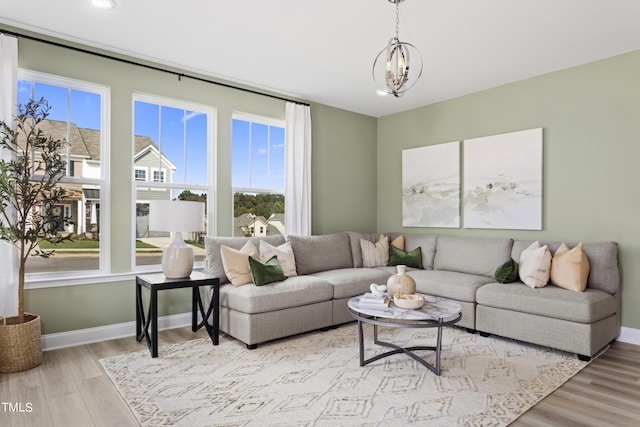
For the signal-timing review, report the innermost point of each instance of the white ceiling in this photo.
(323, 50)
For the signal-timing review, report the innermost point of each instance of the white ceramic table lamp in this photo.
(176, 216)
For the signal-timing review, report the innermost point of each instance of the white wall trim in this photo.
(629, 335)
(108, 332)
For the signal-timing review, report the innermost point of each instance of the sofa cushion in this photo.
(375, 254)
(507, 272)
(294, 292)
(570, 268)
(267, 272)
(603, 259)
(472, 256)
(354, 243)
(396, 242)
(410, 259)
(212, 248)
(551, 301)
(535, 265)
(284, 253)
(448, 284)
(427, 245)
(350, 282)
(236, 262)
(322, 252)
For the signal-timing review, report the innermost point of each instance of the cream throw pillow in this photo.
(375, 254)
(398, 242)
(285, 256)
(570, 268)
(236, 262)
(535, 265)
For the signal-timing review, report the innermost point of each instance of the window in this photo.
(258, 175)
(79, 115)
(140, 174)
(158, 175)
(173, 142)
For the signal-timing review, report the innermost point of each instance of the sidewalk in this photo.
(161, 242)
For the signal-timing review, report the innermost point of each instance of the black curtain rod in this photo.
(150, 67)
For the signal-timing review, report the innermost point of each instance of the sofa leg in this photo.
(471, 331)
(252, 346)
(329, 328)
(584, 358)
(484, 334)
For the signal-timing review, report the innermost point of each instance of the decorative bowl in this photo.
(409, 301)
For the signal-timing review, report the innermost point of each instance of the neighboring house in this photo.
(151, 166)
(276, 221)
(82, 203)
(249, 225)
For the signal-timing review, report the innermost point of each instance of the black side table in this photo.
(157, 282)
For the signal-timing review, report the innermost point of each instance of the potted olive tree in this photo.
(28, 191)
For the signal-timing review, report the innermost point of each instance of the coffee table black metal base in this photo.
(157, 282)
(409, 351)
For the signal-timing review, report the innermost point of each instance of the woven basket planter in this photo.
(20, 347)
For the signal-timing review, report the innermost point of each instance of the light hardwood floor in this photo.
(71, 389)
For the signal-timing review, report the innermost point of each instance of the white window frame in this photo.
(209, 187)
(162, 172)
(63, 278)
(141, 169)
(263, 120)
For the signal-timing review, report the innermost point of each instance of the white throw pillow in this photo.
(535, 265)
(236, 262)
(375, 254)
(285, 256)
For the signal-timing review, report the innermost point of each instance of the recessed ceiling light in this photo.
(104, 4)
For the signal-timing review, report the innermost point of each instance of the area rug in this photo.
(315, 379)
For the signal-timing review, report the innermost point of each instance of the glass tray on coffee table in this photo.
(435, 313)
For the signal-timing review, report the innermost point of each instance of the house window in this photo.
(258, 175)
(79, 114)
(140, 174)
(173, 140)
(158, 176)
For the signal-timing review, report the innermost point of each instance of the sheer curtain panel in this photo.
(8, 100)
(297, 195)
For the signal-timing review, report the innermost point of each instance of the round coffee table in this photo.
(436, 313)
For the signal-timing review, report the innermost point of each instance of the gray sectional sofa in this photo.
(330, 271)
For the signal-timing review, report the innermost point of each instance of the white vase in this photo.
(401, 283)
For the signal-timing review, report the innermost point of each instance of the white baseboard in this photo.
(630, 335)
(109, 332)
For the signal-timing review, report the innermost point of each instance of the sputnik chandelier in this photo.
(393, 72)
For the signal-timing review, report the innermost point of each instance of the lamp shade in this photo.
(176, 215)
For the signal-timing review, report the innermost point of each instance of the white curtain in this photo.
(297, 193)
(8, 100)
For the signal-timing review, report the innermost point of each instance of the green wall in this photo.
(591, 183)
(343, 158)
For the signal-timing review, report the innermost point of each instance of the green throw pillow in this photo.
(507, 272)
(270, 271)
(400, 257)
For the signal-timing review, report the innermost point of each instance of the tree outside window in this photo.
(78, 116)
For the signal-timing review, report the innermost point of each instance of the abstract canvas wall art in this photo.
(503, 181)
(431, 186)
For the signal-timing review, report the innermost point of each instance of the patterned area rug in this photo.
(315, 380)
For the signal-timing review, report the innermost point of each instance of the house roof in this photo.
(85, 143)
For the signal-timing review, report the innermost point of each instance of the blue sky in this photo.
(259, 164)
